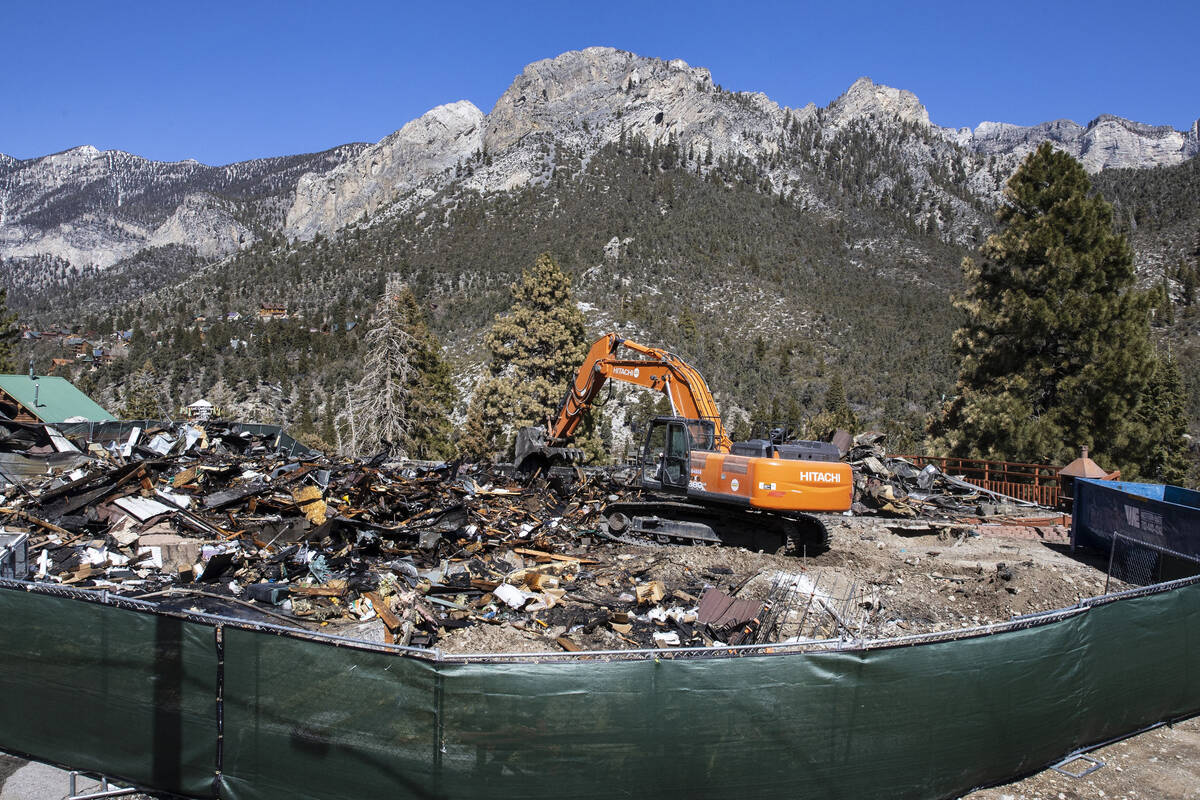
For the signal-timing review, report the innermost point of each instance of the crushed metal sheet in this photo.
(142, 508)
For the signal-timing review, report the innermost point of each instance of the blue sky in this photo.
(226, 81)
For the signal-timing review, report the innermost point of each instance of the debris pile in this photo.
(208, 517)
(200, 517)
(898, 487)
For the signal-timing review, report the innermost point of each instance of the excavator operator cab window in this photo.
(653, 452)
(678, 457)
(666, 458)
(703, 433)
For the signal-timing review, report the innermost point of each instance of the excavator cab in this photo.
(667, 453)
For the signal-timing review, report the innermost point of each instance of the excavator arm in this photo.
(657, 369)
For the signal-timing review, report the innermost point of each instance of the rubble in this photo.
(897, 487)
(205, 517)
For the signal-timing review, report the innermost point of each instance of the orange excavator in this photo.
(696, 483)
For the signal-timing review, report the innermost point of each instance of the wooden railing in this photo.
(1034, 483)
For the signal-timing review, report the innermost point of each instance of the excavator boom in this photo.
(658, 370)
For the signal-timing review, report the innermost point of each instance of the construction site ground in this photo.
(886, 577)
(463, 559)
(917, 576)
(1161, 764)
(935, 580)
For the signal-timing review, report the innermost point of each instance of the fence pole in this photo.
(1112, 551)
(439, 731)
(219, 641)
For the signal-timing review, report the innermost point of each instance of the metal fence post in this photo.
(1112, 551)
(219, 643)
(439, 731)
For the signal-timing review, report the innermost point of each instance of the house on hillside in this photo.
(201, 410)
(47, 398)
(269, 311)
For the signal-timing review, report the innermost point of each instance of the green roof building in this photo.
(46, 398)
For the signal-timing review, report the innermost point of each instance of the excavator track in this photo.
(666, 521)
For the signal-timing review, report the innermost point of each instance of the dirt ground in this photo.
(1162, 764)
(880, 578)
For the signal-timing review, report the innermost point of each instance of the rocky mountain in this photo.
(404, 161)
(1105, 142)
(576, 103)
(868, 100)
(776, 246)
(583, 100)
(571, 106)
(94, 209)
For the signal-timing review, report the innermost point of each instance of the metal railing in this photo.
(1033, 483)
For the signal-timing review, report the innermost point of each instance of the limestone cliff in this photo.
(1107, 141)
(94, 208)
(402, 162)
(867, 99)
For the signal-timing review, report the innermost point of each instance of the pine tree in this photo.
(835, 412)
(837, 407)
(143, 394)
(9, 335)
(1164, 309)
(434, 396)
(1163, 417)
(1055, 350)
(535, 351)
(405, 395)
(1187, 276)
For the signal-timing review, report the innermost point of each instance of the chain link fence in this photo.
(1133, 562)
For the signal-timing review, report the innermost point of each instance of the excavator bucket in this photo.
(531, 441)
(534, 451)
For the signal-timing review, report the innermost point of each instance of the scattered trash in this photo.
(215, 517)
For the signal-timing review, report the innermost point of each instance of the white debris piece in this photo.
(181, 500)
(142, 508)
(60, 442)
(514, 597)
(666, 639)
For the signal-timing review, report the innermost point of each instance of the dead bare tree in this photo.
(347, 417)
(383, 401)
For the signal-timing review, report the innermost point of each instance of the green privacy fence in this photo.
(101, 688)
(144, 697)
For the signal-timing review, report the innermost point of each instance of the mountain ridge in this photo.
(63, 205)
(777, 247)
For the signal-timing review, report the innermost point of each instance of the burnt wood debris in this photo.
(217, 518)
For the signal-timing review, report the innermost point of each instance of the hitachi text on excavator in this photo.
(696, 484)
